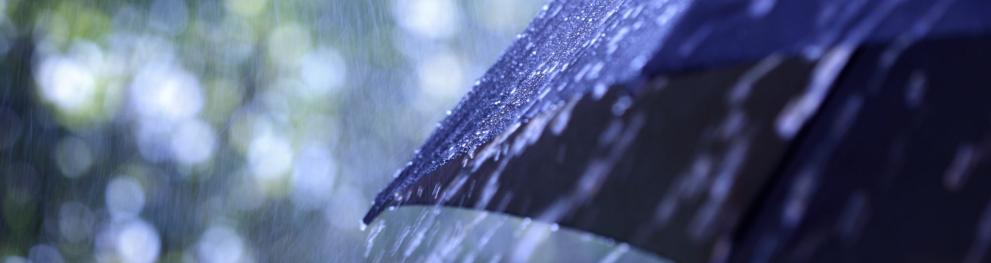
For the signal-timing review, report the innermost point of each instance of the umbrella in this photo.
(731, 130)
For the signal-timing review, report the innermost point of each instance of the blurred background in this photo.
(226, 130)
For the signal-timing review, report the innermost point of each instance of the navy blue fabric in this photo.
(718, 33)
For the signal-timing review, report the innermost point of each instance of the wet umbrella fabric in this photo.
(802, 130)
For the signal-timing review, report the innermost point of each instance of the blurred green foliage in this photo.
(234, 130)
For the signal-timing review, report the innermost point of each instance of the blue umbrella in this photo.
(732, 130)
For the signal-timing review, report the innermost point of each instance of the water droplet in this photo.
(622, 104)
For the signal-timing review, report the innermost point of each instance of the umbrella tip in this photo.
(372, 214)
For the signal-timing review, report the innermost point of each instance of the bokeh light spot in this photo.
(441, 75)
(124, 197)
(270, 157)
(313, 178)
(76, 222)
(220, 244)
(138, 242)
(436, 19)
(245, 7)
(66, 82)
(73, 156)
(193, 142)
(288, 43)
(166, 92)
(322, 71)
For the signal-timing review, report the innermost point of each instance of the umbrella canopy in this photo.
(747, 130)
